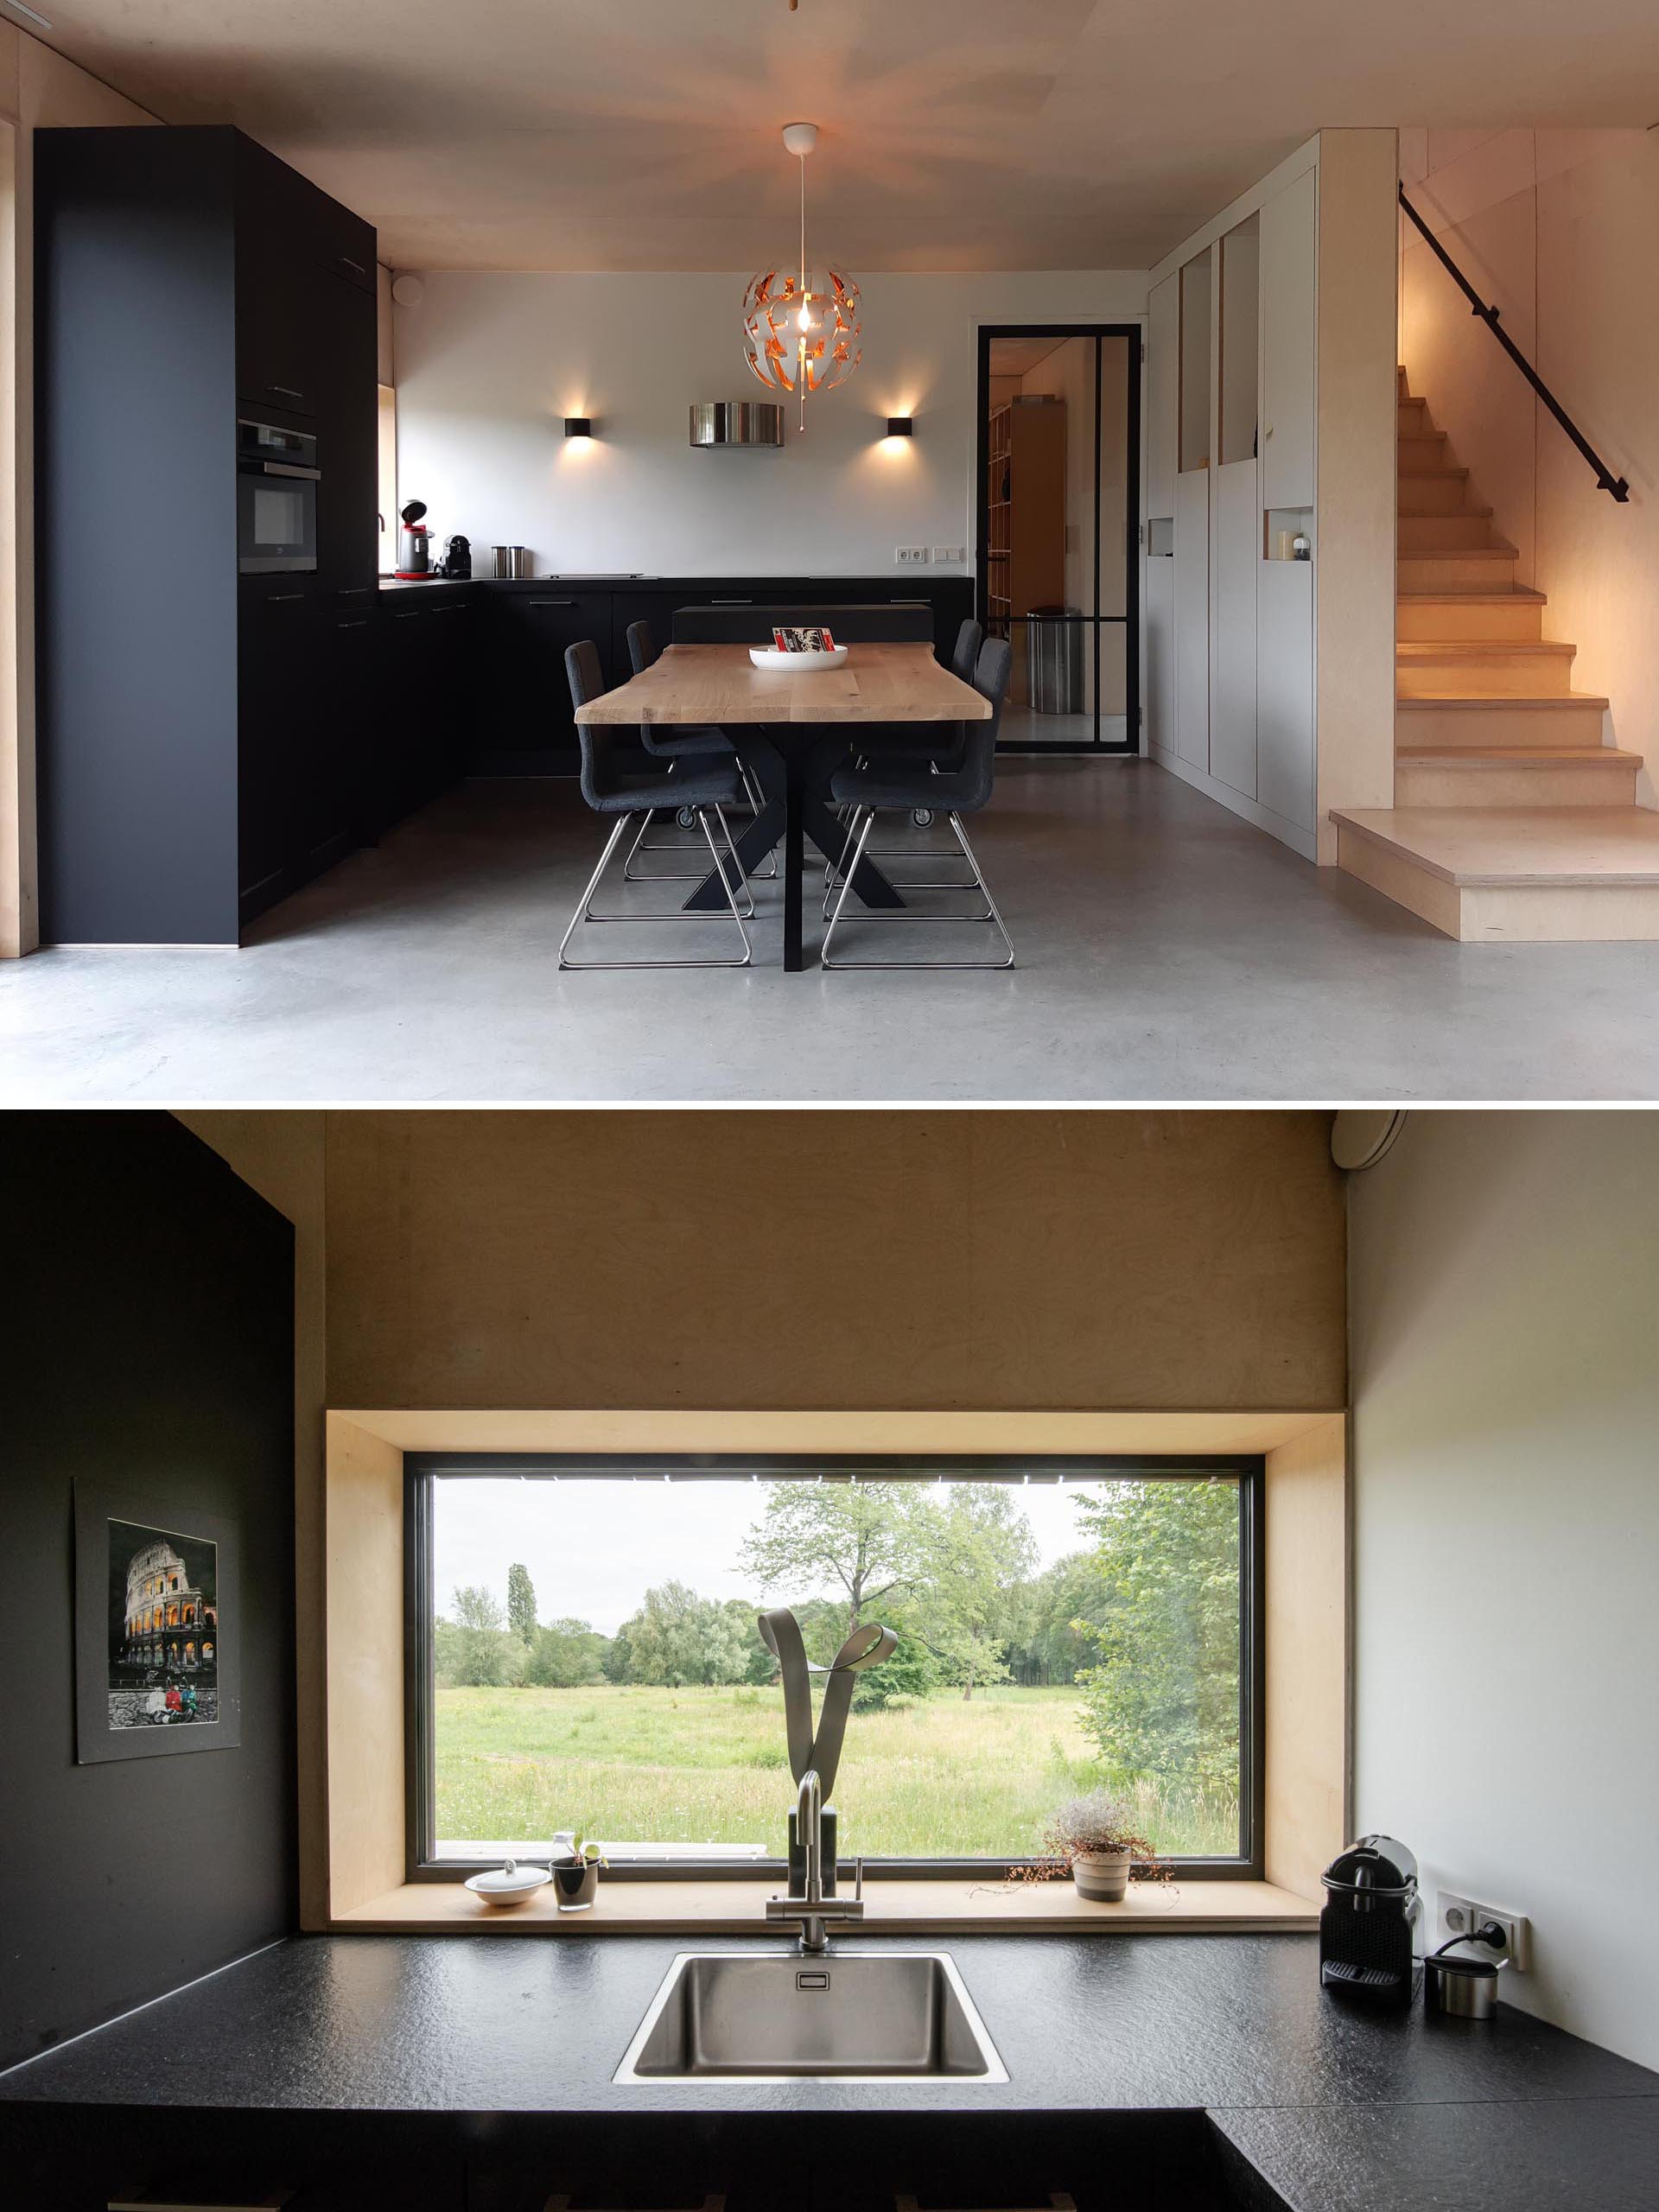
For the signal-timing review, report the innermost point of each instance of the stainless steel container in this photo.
(1465, 1988)
(756, 425)
(1054, 658)
(519, 558)
(501, 560)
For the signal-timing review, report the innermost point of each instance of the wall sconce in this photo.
(900, 426)
(578, 426)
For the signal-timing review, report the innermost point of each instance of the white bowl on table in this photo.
(769, 657)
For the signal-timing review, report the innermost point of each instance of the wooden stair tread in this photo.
(1558, 847)
(1439, 514)
(1517, 756)
(1410, 475)
(1473, 595)
(1498, 549)
(1482, 701)
(1482, 648)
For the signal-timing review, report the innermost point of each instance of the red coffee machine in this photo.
(414, 545)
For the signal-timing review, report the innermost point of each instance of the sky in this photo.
(595, 1547)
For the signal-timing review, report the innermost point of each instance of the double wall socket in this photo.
(908, 555)
(1462, 1915)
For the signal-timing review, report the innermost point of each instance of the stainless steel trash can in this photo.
(1054, 659)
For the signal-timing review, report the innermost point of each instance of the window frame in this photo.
(421, 1469)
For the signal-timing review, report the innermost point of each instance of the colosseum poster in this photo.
(154, 1630)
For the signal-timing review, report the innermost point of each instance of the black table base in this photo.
(780, 757)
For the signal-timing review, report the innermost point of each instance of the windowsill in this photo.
(899, 1908)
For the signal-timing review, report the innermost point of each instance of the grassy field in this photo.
(944, 1776)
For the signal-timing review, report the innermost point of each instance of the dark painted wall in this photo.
(147, 1342)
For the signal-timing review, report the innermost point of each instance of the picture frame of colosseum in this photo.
(157, 1628)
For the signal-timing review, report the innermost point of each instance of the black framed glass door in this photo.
(1057, 552)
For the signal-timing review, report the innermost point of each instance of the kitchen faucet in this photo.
(813, 1760)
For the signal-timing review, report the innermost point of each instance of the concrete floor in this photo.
(1166, 951)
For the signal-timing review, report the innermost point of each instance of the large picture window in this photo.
(583, 1655)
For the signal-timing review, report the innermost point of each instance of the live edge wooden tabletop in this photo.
(720, 683)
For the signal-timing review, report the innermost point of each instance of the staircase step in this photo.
(1443, 492)
(1486, 668)
(1495, 775)
(1491, 615)
(1422, 451)
(1509, 875)
(1486, 566)
(1440, 533)
(1452, 721)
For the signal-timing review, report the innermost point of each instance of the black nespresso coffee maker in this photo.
(1368, 1929)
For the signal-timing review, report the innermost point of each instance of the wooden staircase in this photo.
(1513, 820)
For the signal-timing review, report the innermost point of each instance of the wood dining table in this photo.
(778, 718)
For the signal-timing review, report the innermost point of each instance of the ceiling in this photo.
(958, 134)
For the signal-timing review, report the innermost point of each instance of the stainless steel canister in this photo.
(501, 560)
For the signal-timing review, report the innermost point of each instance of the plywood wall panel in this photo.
(1130, 1261)
(364, 1575)
(1307, 1672)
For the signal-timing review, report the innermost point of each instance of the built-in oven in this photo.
(277, 480)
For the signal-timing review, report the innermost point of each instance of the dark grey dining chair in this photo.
(886, 785)
(707, 784)
(940, 747)
(673, 742)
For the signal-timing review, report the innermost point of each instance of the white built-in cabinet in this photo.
(1289, 257)
(1230, 445)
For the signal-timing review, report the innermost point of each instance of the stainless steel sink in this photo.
(849, 2016)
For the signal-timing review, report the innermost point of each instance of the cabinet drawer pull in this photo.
(282, 598)
(354, 591)
(552, 602)
(286, 390)
(731, 602)
(357, 265)
(361, 623)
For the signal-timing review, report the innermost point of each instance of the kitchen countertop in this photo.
(608, 578)
(1311, 2104)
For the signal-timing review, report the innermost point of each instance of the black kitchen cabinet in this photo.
(529, 725)
(278, 659)
(429, 665)
(343, 317)
(198, 731)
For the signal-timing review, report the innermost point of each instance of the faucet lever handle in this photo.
(858, 1878)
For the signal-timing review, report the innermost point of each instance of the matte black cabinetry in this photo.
(200, 734)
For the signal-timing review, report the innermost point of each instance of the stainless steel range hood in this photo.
(756, 425)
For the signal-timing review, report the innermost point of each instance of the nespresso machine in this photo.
(1368, 1929)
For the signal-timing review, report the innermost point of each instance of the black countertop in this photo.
(1311, 2104)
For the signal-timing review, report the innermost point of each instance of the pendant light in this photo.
(801, 326)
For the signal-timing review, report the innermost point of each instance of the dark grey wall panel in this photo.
(146, 1325)
(136, 499)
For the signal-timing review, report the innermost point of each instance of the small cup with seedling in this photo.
(1093, 1840)
(574, 1870)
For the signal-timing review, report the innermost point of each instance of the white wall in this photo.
(1503, 1293)
(488, 365)
(1556, 227)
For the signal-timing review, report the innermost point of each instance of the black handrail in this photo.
(1605, 479)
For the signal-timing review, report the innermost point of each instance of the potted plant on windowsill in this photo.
(1093, 1838)
(574, 1869)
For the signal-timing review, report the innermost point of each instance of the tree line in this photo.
(1143, 1619)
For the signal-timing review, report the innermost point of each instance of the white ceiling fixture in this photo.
(801, 328)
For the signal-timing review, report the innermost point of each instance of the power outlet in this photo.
(1462, 1915)
(908, 555)
(948, 553)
